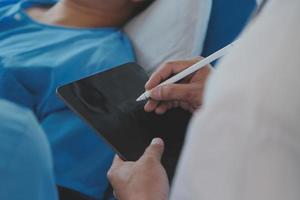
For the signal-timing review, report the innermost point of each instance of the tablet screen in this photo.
(107, 102)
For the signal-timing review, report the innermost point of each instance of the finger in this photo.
(184, 106)
(192, 110)
(117, 162)
(151, 105)
(155, 149)
(171, 105)
(176, 92)
(196, 107)
(202, 74)
(168, 69)
(162, 108)
(175, 104)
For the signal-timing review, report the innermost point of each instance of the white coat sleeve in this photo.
(244, 144)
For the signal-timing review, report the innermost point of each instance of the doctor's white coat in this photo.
(244, 144)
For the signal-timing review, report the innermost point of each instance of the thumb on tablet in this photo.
(155, 149)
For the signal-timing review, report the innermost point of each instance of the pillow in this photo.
(169, 30)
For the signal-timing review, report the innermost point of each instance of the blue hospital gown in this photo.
(34, 60)
(26, 167)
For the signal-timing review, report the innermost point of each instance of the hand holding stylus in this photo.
(186, 94)
(184, 89)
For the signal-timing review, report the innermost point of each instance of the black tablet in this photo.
(107, 102)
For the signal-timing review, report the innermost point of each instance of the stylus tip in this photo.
(141, 98)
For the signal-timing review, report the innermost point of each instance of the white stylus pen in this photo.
(191, 69)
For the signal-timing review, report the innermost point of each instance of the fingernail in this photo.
(156, 141)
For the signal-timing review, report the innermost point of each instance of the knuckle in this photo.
(110, 175)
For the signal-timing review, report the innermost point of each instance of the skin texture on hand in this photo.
(186, 94)
(144, 179)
